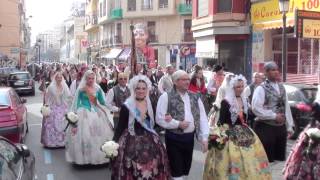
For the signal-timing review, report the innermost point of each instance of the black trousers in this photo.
(179, 155)
(274, 140)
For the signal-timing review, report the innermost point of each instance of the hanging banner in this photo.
(307, 24)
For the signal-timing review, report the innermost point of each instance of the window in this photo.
(152, 31)
(4, 100)
(118, 37)
(146, 5)
(203, 8)
(100, 10)
(104, 7)
(132, 5)
(224, 6)
(187, 34)
(163, 4)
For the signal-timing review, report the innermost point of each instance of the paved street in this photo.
(51, 164)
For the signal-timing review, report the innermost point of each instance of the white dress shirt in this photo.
(162, 108)
(262, 113)
(109, 100)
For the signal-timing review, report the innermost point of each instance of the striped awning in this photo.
(272, 24)
(125, 54)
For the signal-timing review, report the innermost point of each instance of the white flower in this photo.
(45, 110)
(72, 117)
(110, 148)
(313, 133)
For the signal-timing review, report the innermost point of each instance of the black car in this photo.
(4, 73)
(16, 160)
(300, 98)
(22, 82)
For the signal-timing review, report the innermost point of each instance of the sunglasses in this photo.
(122, 79)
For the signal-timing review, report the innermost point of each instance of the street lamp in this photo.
(38, 45)
(284, 8)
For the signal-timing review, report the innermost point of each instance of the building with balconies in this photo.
(168, 23)
(221, 29)
(14, 33)
(92, 28)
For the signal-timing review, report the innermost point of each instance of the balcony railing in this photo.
(146, 7)
(118, 39)
(163, 5)
(187, 37)
(185, 9)
(153, 38)
(116, 13)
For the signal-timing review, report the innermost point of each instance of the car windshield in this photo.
(4, 100)
(294, 94)
(20, 76)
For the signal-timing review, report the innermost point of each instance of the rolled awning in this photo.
(113, 54)
(272, 24)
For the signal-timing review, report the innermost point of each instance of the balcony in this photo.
(91, 21)
(118, 39)
(153, 38)
(116, 13)
(185, 9)
(187, 37)
(146, 7)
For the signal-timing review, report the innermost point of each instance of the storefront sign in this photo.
(268, 11)
(307, 24)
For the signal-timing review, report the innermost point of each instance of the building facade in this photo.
(49, 45)
(222, 32)
(302, 53)
(14, 33)
(168, 23)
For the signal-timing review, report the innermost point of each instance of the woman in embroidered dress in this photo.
(93, 126)
(242, 157)
(58, 99)
(300, 164)
(141, 154)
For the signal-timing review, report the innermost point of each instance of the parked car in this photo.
(4, 73)
(300, 98)
(22, 82)
(13, 115)
(17, 161)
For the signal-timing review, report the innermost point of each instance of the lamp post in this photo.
(284, 8)
(38, 45)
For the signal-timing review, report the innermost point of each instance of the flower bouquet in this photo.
(314, 138)
(72, 119)
(218, 136)
(45, 110)
(110, 148)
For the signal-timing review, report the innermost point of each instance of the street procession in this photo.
(159, 90)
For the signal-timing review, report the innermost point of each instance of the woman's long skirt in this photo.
(52, 132)
(84, 141)
(141, 157)
(242, 158)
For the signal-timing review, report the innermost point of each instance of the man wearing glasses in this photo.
(116, 97)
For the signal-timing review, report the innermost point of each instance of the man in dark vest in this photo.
(182, 114)
(117, 96)
(274, 119)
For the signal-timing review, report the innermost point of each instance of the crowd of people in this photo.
(242, 128)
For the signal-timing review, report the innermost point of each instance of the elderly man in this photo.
(274, 119)
(117, 96)
(257, 79)
(165, 83)
(182, 114)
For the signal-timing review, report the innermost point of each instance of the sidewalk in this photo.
(277, 167)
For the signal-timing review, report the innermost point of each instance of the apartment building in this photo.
(222, 33)
(92, 28)
(168, 23)
(14, 33)
(49, 44)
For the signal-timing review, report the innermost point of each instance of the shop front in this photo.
(302, 53)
